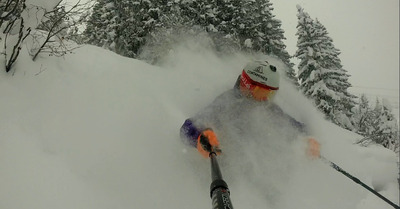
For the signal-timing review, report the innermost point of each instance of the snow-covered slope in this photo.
(97, 130)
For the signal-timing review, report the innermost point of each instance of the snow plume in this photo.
(162, 44)
(258, 154)
(262, 161)
(98, 130)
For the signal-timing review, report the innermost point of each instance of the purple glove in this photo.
(190, 133)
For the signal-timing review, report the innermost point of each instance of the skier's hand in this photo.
(313, 148)
(207, 142)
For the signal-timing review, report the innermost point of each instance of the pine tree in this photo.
(204, 13)
(378, 107)
(102, 26)
(339, 76)
(126, 26)
(192, 18)
(363, 117)
(309, 61)
(246, 25)
(321, 75)
(172, 25)
(137, 19)
(268, 35)
(121, 25)
(386, 130)
(377, 125)
(221, 25)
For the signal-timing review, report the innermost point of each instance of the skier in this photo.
(257, 85)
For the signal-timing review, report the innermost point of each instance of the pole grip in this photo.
(220, 199)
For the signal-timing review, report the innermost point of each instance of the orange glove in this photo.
(207, 142)
(313, 148)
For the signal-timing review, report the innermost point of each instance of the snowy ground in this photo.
(97, 130)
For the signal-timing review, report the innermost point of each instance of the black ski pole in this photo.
(219, 191)
(358, 181)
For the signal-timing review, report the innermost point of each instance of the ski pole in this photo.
(219, 191)
(358, 181)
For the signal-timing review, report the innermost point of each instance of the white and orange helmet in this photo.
(259, 80)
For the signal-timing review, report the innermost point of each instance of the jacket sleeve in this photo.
(298, 125)
(301, 127)
(206, 118)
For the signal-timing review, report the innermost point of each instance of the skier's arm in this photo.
(301, 127)
(204, 140)
(205, 119)
(313, 146)
(298, 125)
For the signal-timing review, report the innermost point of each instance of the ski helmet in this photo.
(259, 80)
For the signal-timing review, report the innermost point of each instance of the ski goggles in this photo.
(255, 90)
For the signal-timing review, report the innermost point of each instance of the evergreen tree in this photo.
(125, 26)
(262, 32)
(274, 38)
(102, 26)
(202, 12)
(121, 25)
(270, 27)
(137, 19)
(386, 130)
(219, 22)
(321, 75)
(363, 117)
(309, 56)
(173, 25)
(339, 77)
(191, 18)
(378, 107)
(377, 125)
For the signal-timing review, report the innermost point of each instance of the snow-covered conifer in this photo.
(271, 35)
(170, 28)
(103, 24)
(126, 26)
(121, 26)
(386, 130)
(321, 75)
(138, 19)
(363, 117)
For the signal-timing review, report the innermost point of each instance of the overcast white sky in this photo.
(365, 31)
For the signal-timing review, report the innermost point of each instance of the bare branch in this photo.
(10, 12)
(56, 23)
(60, 20)
(17, 46)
